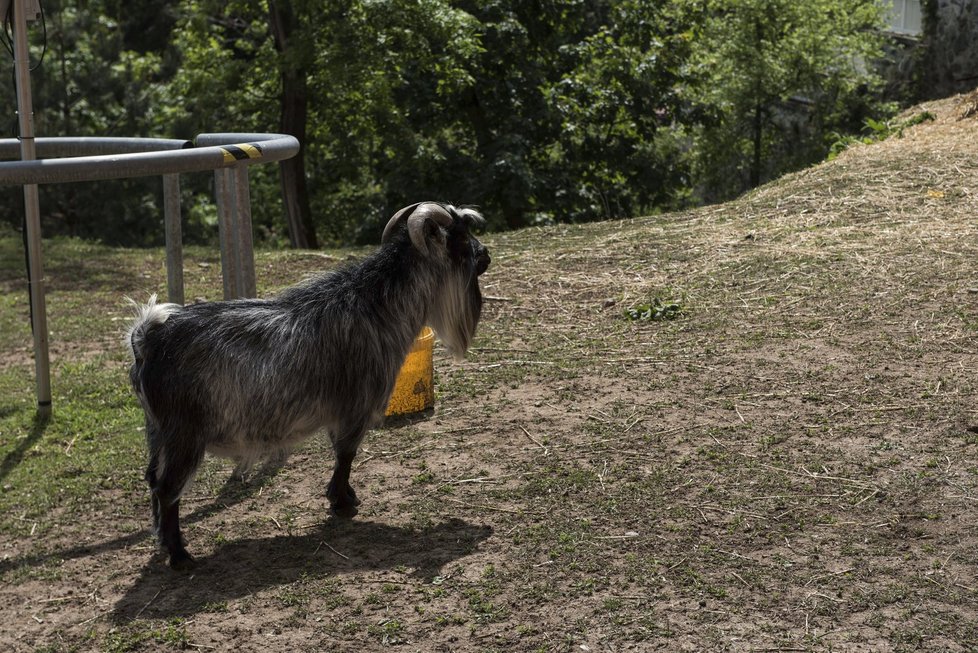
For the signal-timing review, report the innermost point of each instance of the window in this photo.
(904, 16)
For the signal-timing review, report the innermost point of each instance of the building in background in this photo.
(934, 48)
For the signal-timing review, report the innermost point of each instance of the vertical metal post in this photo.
(25, 116)
(242, 214)
(224, 192)
(174, 238)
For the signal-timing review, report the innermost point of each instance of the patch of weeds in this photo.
(485, 610)
(649, 628)
(334, 599)
(909, 640)
(446, 620)
(350, 627)
(523, 630)
(215, 606)
(557, 480)
(655, 310)
(292, 598)
(612, 605)
(373, 599)
(387, 631)
(424, 476)
(171, 634)
(875, 131)
(773, 440)
(566, 544)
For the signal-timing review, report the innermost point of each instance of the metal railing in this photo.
(92, 159)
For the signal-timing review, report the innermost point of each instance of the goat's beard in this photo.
(456, 312)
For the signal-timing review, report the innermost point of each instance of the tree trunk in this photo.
(758, 128)
(295, 194)
(508, 204)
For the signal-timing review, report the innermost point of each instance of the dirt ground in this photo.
(785, 462)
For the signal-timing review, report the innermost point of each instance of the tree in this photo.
(537, 111)
(244, 68)
(294, 63)
(618, 104)
(386, 128)
(772, 73)
(571, 108)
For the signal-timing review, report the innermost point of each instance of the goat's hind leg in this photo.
(179, 465)
(153, 444)
(153, 500)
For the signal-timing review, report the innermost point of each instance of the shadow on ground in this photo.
(244, 567)
(13, 458)
(78, 266)
(232, 492)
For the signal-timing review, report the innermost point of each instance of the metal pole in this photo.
(224, 192)
(246, 253)
(174, 238)
(32, 210)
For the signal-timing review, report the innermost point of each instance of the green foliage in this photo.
(614, 154)
(656, 310)
(537, 112)
(874, 131)
(774, 76)
(98, 70)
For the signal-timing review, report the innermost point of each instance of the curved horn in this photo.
(397, 217)
(416, 222)
(415, 216)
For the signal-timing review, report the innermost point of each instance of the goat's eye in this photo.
(481, 255)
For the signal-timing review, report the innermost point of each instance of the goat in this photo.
(250, 378)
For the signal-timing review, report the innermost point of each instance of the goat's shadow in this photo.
(243, 567)
(232, 492)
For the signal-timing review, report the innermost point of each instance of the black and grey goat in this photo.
(250, 378)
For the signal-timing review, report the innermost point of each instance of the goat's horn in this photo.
(416, 215)
(397, 217)
(416, 223)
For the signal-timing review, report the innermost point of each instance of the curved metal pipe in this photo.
(144, 162)
(97, 158)
(59, 146)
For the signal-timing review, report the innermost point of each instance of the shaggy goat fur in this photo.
(250, 378)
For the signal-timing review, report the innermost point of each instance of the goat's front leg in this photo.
(343, 500)
(170, 536)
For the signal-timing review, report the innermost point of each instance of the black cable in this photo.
(6, 37)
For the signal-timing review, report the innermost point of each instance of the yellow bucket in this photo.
(414, 390)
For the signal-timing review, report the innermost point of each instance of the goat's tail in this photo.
(148, 316)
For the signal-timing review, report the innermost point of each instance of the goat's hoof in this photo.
(344, 511)
(182, 561)
(342, 497)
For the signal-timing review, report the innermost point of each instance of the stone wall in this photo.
(949, 61)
